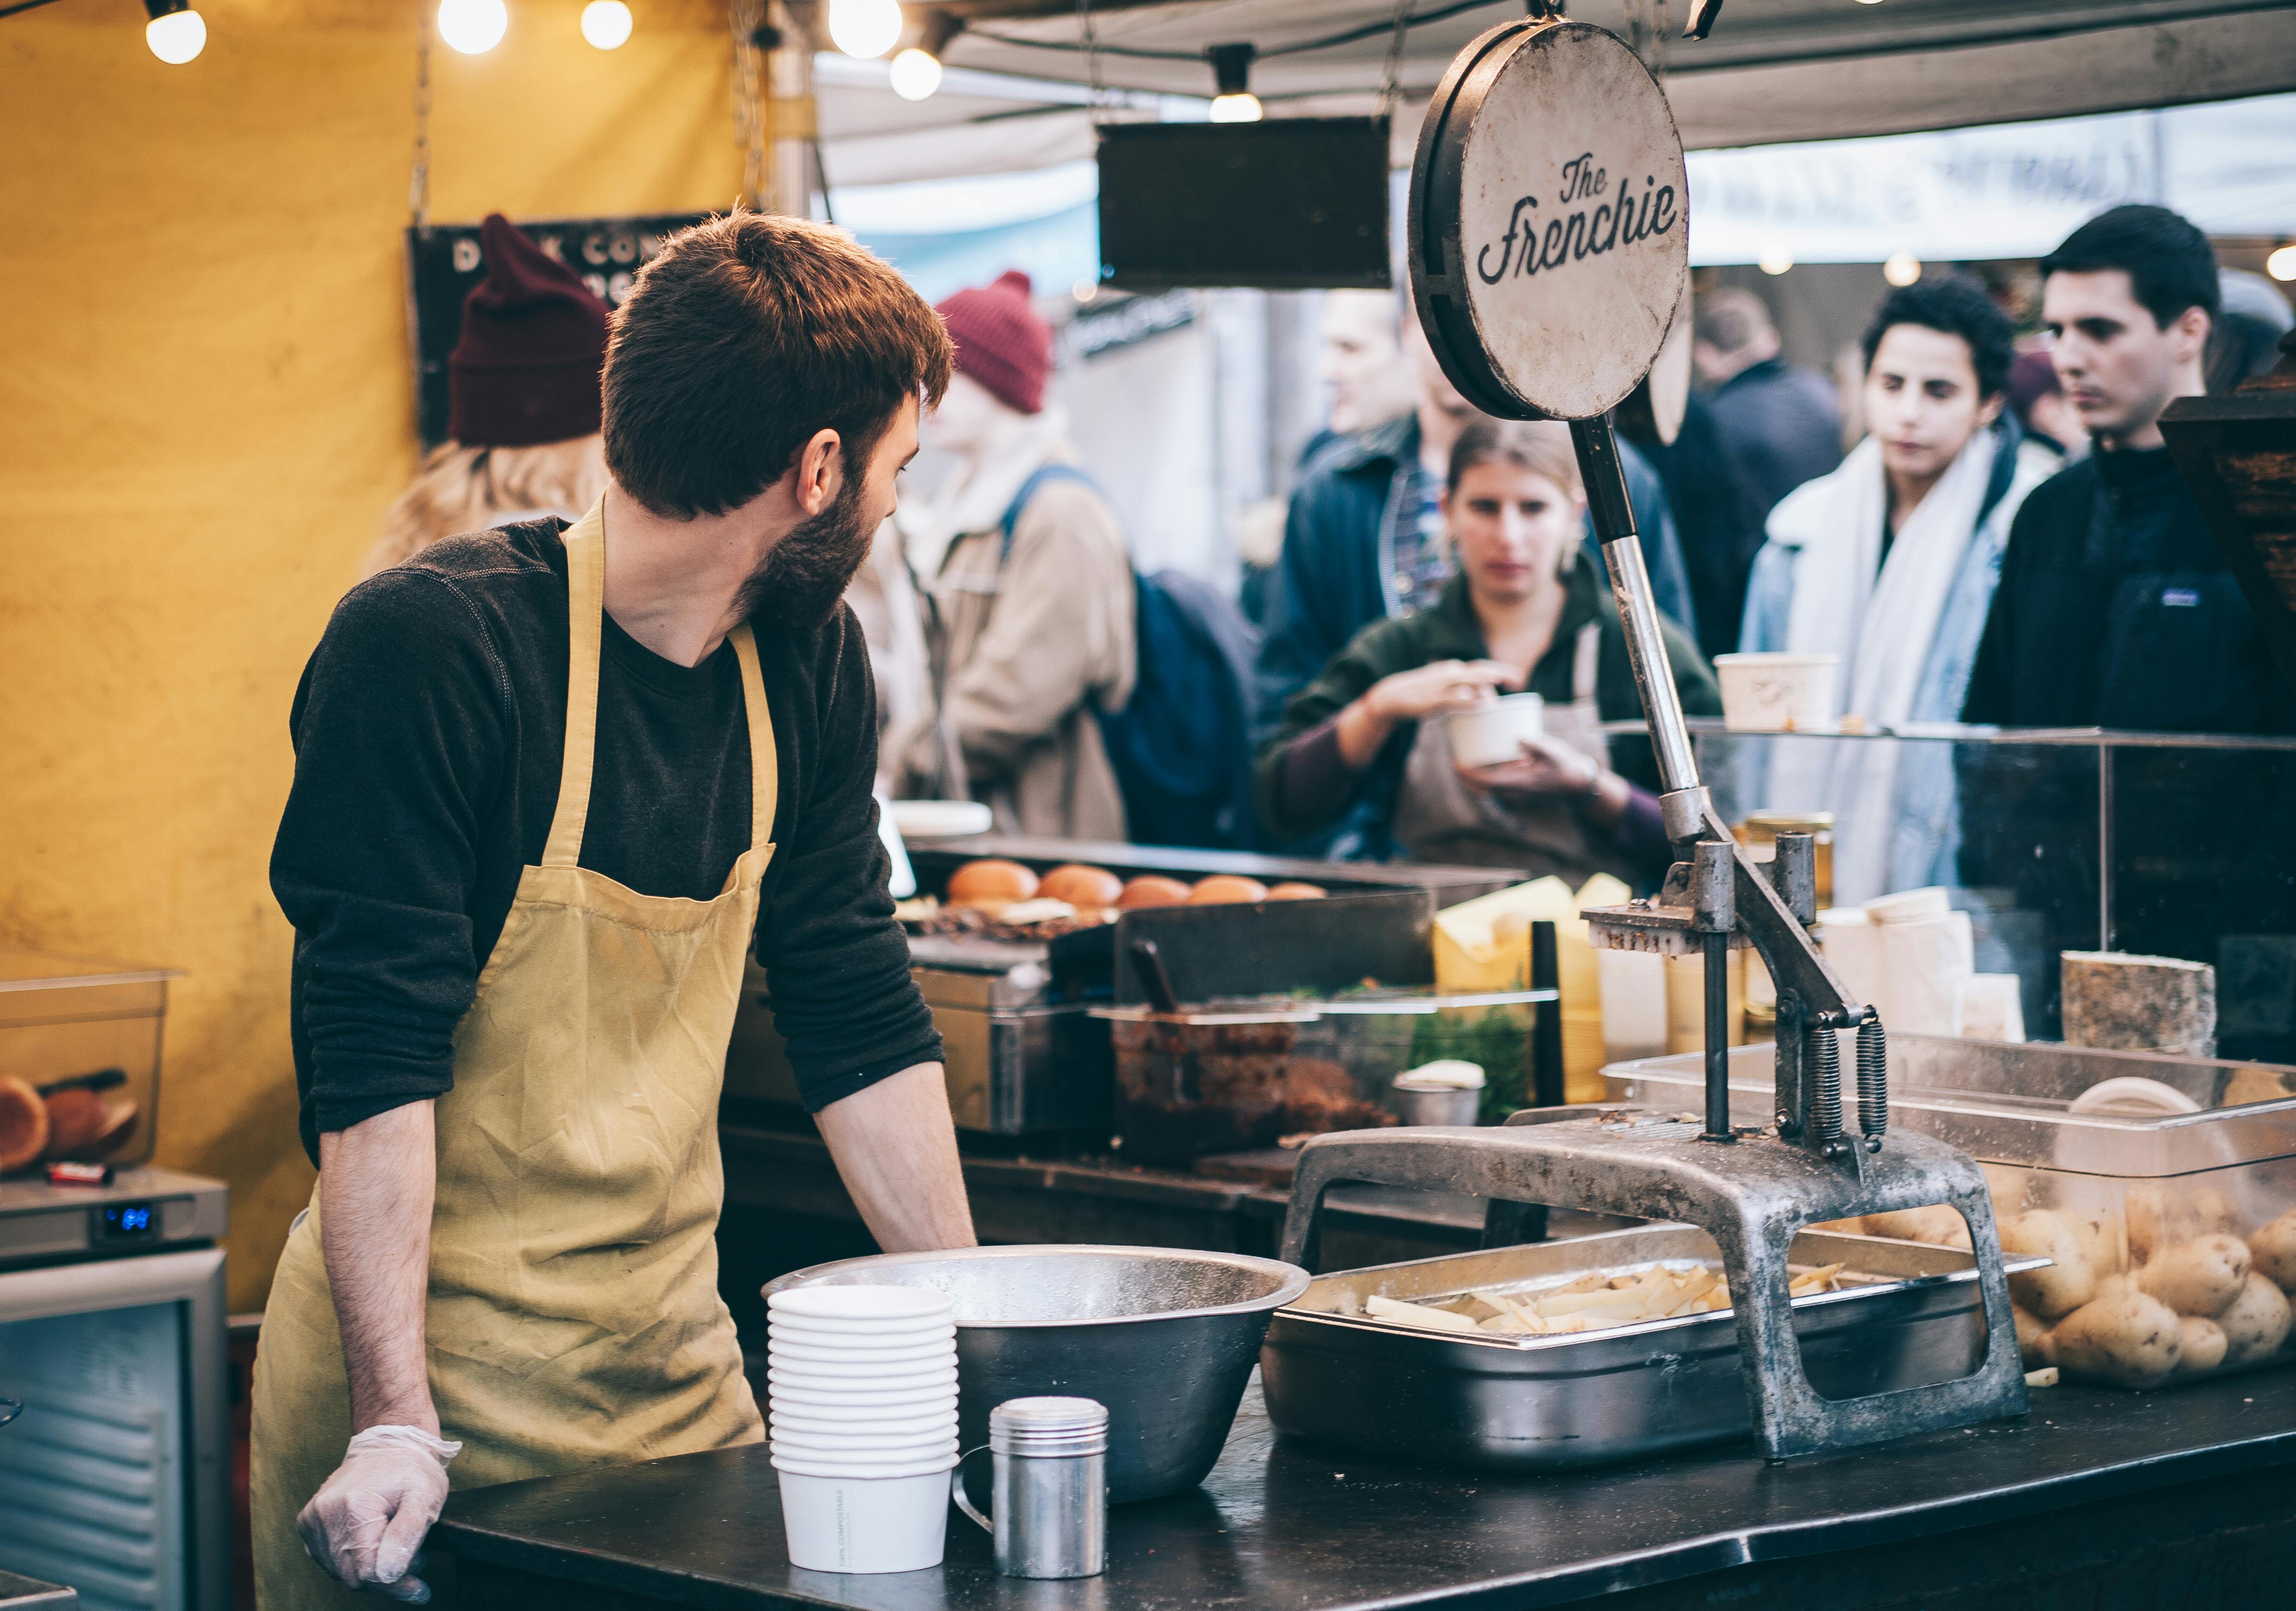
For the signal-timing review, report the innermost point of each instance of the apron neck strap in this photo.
(765, 761)
(586, 593)
(585, 608)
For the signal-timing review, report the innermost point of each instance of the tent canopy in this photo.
(1775, 71)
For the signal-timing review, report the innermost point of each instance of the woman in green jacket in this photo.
(1522, 613)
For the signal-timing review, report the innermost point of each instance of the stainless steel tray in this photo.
(1540, 1404)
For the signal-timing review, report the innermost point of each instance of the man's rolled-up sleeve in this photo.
(836, 961)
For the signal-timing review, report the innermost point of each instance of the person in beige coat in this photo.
(1028, 589)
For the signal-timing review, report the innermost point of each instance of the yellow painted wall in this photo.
(205, 404)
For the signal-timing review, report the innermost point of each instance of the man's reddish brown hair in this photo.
(744, 336)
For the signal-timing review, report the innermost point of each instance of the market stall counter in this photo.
(2100, 1498)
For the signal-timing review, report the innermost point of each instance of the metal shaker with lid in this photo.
(1050, 1491)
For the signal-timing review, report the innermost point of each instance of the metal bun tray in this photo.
(1547, 1403)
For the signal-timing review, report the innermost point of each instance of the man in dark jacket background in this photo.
(1363, 541)
(2116, 609)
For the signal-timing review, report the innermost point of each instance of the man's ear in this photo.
(2191, 331)
(820, 469)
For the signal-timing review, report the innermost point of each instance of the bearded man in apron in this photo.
(1521, 612)
(551, 783)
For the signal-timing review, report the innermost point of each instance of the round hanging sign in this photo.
(1549, 231)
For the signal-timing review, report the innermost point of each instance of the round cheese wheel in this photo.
(23, 1125)
(1148, 890)
(1085, 888)
(1226, 889)
(1297, 892)
(990, 883)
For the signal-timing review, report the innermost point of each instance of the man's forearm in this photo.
(894, 1147)
(376, 1183)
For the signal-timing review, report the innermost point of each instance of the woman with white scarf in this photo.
(1889, 562)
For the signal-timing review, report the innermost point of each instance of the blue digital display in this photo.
(128, 1222)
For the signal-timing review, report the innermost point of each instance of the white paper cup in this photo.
(825, 1377)
(862, 1423)
(864, 1304)
(908, 1353)
(805, 1325)
(855, 1396)
(1777, 692)
(1491, 734)
(864, 1523)
(856, 1457)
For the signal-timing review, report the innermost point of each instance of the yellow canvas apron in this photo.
(573, 1316)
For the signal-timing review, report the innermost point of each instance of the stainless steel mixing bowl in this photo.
(1164, 1337)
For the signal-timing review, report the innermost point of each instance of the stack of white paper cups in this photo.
(861, 1395)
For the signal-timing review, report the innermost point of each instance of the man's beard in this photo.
(799, 586)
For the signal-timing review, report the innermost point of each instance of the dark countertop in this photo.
(1286, 1525)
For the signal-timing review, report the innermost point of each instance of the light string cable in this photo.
(746, 17)
(1391, 75)
(418, 184)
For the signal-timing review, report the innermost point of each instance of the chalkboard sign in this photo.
(444, 262)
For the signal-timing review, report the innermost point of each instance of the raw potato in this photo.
(2034, 1344)
(2199, 1277)
(2131, 1339)
(1937, 1225)
(2272, 1251)
(2255, 1323)
(2067, 1282)
(2202, 1346)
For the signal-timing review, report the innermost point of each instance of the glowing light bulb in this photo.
(866, 28)
(1775, 260)
(606, 24)
(472, 27)
(1236, 109)
(916, 74)
(176, 37)
(1902, 268)
(2281, 265)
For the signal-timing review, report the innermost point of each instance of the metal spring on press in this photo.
(1873, 1082)
(1824, 1065)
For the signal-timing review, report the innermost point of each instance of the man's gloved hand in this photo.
(368, 1521)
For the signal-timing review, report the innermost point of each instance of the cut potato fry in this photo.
(1418, 1314)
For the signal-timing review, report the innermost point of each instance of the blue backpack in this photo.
(1181, 747)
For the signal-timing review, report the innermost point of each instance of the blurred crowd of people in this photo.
(2004, 541)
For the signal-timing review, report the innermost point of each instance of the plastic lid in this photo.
(1049, 1426)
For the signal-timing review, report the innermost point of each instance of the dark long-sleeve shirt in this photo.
(2115, 610)
(429, 731)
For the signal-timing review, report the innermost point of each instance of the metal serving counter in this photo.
(2098, 1498)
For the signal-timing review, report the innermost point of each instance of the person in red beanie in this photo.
(522, 405)
(1029, 587)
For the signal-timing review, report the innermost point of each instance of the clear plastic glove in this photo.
(366, 1524)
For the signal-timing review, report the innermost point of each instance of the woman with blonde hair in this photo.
(523, 405)
(1521, 612)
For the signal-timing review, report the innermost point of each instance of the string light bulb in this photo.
(175, 33)
(916, 71)
(1232, 74)
(472, 27)
(606, 24)
(866, 28)
(1901, 269)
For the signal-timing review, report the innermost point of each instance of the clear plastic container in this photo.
(2163, 1188)
(84, 1037)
